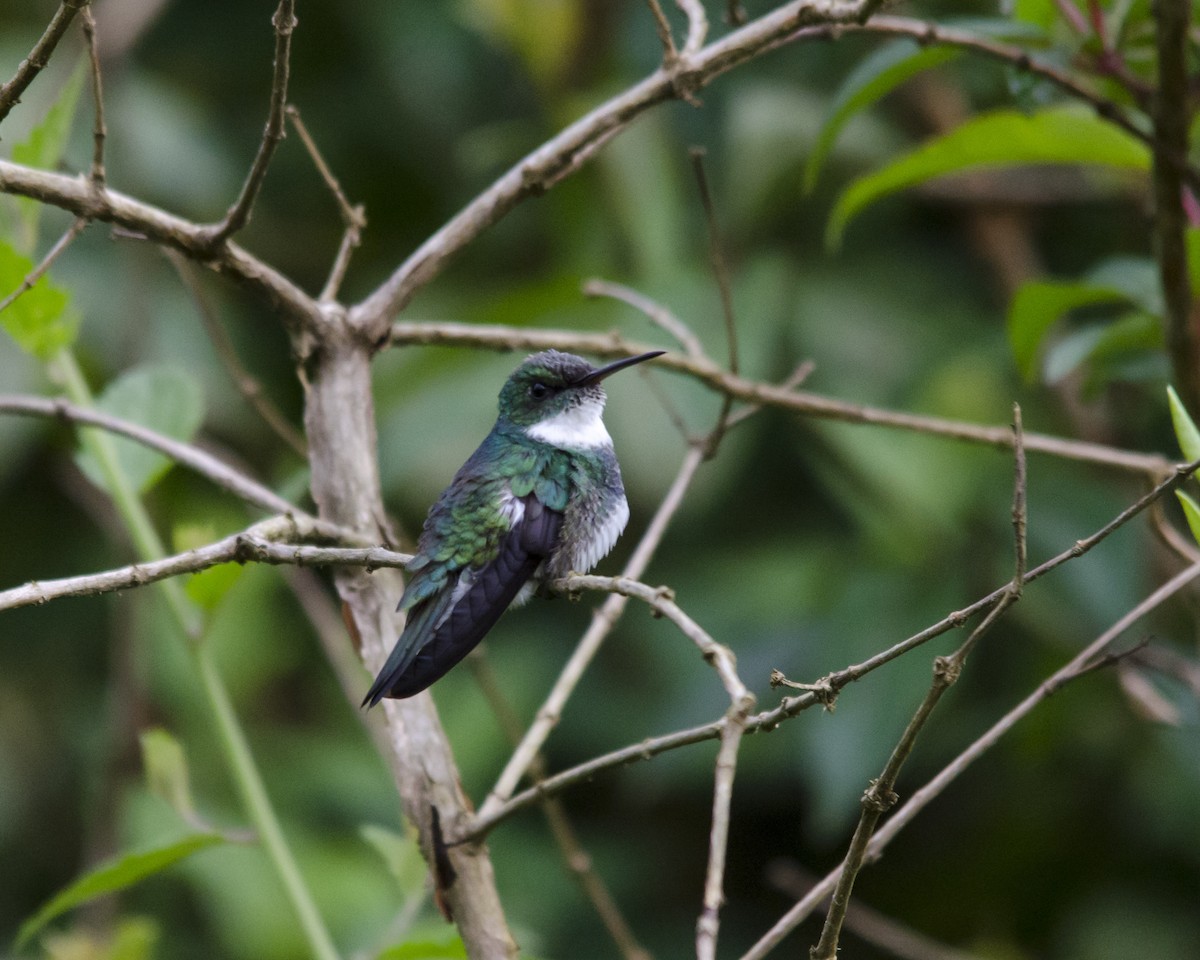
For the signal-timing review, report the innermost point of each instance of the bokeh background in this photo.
(804, 545)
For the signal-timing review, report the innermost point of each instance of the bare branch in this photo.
(1020, 508)
(655, 312)
(36, 274)
(576, 858)
(284, 22)
(931, 33)
(247, 384)
(794, 379)
(39, 56)
(697, 25)
(721, 271)
(254, 544)
(822, 693)
(880, 795)
(602, 623)
(184, 454)
(721, 659)
(663, 27)
(612, 345)
(340, 422)
(545, 165)
(99, 128)
(353, 216)
(921, 798)
(893, 938)
(81, 197)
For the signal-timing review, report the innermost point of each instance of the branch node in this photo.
(946, 670)
(879, 797)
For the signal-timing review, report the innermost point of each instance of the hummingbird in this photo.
(541, 497)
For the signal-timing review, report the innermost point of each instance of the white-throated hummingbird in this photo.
(540, 497)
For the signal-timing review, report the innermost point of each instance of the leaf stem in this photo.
(258, 806)
(242, 767)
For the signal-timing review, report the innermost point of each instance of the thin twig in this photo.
(892, 937)
(697, 25)
(768, 720)
(721, 272)
(254, 544)
(75, 229)
(603, 620)
(654, 311)
(930, 33)
(284, 22)
(576, 858)
(1184, 547)
(1020, 508)
(39, 56)
(247, 384)
(880, 795)
(99, 128)
(612, 345)
(663, 27)
(922, 797)
(802, 372)
(722, 660)
(354, 217)
(145, 221)
(185, 454)
(546, 165)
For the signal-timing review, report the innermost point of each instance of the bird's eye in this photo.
(538, 390)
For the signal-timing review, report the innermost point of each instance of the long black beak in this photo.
(609, 369)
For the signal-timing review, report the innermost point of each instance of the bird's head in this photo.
(552, 386)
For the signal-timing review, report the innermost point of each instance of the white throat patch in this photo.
(579, 428)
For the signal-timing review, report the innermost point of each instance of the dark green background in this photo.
(805, 546)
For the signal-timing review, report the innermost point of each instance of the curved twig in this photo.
(254, 544)
(182, 453)
(613, 345)
(39, 56)
(238, 215)
(1079, 665)
(544, 166)
(822, 693)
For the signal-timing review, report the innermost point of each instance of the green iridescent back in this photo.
(466, 525)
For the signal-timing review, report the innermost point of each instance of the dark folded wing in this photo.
(435, 639)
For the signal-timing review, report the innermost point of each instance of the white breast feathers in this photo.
(579, 428)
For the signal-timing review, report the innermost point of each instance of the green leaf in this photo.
(133, 939)
(206, 588)
(115, 875)
(1134, 332)
(44, 148)
(1004, 138)
(1136, 277)
(1036, 308)
(1041, 13)
(1185, 428)
(876, 75)
(40, 319)
(1191, 510)
(167, 771)
(165, 399)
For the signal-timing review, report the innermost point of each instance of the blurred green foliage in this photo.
(805, 545)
